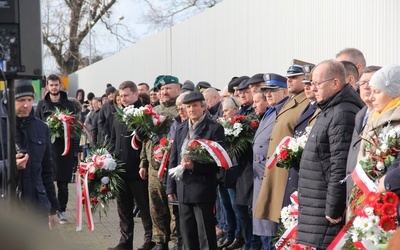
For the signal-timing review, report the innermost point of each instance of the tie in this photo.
(365, 119)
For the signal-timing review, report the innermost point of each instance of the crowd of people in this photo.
(343, 100)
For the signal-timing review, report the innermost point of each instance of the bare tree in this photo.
(68, 23)
(164, 14)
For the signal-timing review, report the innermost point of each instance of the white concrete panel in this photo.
(245, 37)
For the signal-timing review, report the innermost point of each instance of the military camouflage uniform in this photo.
(164, 225)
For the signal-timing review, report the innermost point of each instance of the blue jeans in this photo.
(267, 243)
(228, 211)
(220, 214)
(245, 213)
(232, 195)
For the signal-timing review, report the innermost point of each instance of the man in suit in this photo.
(269, 203)
(360, 121)
(196, 191)
(136, 187)
(275, 89)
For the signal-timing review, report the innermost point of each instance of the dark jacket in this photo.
(355, 147)
(63, 165)
(199, 185)
(106, 119)
(35, 182)
(244, 182)
(92, 124)
(323, 167)
(120, 145)
(392, 179)
(216, 111)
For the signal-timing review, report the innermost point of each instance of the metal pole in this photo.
(90, 33)
(11, 128)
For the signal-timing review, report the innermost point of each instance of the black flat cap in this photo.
(187, 86)
(257, 78)
(204, 85)
(244, 84)
(193, 97)
(236, 83)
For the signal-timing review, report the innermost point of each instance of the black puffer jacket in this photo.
(323, 166)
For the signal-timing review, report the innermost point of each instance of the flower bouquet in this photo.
(161, 155)
(144, 118)
(374, 221)
(204, 152)
(290, 155)
(239, 133)
(64, 124)
(99, 181)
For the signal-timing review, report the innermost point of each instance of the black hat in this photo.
(24, 88)
(110, 90)
(192, 97)
(244, 84)
(204, 85)
(236, 83)
(187, 86)
(257, 78)
(274, 81)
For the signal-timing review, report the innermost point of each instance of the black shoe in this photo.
(148, 245)
(237, 243)
(227, 242)
(160, 246)
(120, 246)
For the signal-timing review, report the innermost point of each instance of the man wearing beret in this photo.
(196, 191)
(269, 203)
(162, 213)
(35, 184)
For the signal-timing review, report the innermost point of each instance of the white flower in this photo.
(105, 180)
(293, 145)
(369, 211)
(384, 147)
(380, 166)
(109, 164)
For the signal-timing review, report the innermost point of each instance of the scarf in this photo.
(391, 105)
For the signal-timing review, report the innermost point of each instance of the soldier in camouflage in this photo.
(162, 213)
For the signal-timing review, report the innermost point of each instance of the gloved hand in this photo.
(141, 134)
(155, 140)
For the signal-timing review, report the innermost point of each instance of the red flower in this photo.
(283, 154)
(254, 124)
(94, 200)
(82, 171)
(164, 142)
(91, 176)
(372, 198)
(360, 212)
(388, 209)
(390, 197)
(240, 117)
(104, 189)
(387, 223)
(378, 209)
(194, 145)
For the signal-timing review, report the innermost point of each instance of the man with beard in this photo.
(63, 165)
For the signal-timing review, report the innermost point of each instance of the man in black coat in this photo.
(196, 191)
(136, 187)
(63, 165)
(35, 185)
(106, 116)
(322, 193)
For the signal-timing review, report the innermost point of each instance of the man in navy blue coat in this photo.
(196, 191)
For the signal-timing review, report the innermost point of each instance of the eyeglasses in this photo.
(361, 83)
(318, 84)
(180, 109)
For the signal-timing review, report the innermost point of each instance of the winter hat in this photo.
(24, 88)
(387, 80)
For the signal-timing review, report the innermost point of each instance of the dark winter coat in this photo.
(323, 167)
(199, 185)
(63, 165)
(120, 144)
(106, 119)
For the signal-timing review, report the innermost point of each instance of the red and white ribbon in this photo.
(274, 157)
(86, 201)
(78, 221)
(217, 152)
(163, 165)
(66, 121)
(340, 240)
(362, 180)
(135, 145)
(365, 245)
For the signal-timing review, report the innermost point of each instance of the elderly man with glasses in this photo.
(322, 195)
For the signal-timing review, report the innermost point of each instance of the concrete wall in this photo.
(245, 37)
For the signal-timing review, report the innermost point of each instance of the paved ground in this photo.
(106, 232)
